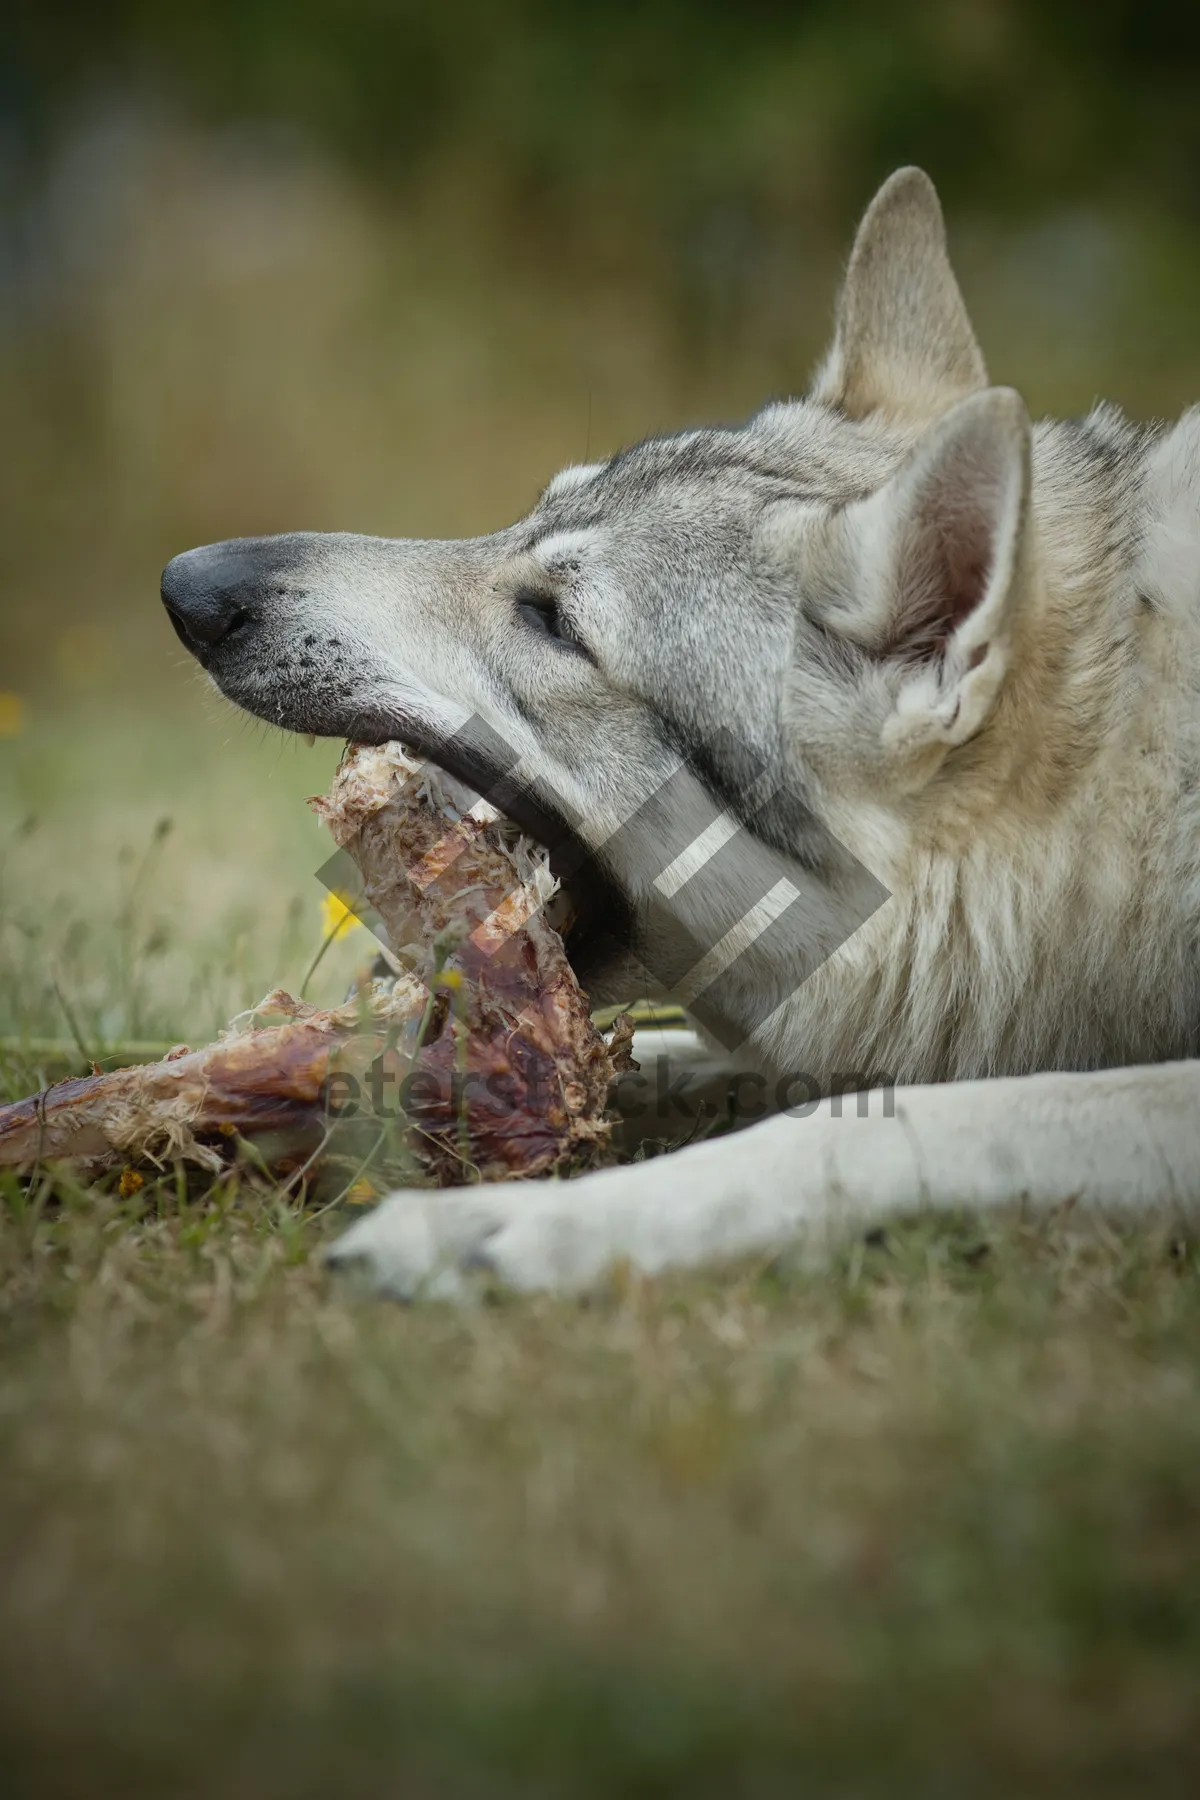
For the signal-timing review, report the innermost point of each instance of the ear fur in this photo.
(903, 344)
(943, 557)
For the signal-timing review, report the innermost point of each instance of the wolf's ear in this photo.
(941, 557)
(903, 343)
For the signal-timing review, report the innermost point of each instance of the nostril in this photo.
(181, 631)
(202, 628)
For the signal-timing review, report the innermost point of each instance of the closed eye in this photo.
(543, 613)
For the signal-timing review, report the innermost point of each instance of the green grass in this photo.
(158, 870)
(926, 1522)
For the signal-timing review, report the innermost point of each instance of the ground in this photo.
(926, 1522)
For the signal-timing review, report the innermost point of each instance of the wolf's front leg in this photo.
(752, 1192)
(1123, 1140)
(563, 1235)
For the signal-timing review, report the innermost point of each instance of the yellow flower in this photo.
(337, 918)
(361, 1193)
(131, 1183)
(12, 714)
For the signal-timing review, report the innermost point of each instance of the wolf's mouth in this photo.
(597, 915)
(469, 762)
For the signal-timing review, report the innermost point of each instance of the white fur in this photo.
(573, 476)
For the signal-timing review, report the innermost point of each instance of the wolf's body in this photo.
(889, 629)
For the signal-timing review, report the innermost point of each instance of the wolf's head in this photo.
(705, 650)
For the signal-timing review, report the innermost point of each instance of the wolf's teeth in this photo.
(310, 738)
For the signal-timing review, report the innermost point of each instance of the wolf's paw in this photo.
(528, 1236)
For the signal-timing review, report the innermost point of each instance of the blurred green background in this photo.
(385, 264)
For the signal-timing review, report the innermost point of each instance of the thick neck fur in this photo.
(1045, 908)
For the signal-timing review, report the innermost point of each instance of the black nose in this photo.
(211, 593)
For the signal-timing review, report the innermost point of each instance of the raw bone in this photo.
(482, 1030)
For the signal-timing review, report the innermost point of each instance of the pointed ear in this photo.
(943, 560)
(903, 343)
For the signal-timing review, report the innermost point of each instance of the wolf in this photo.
(933, 667)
